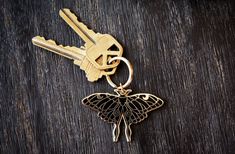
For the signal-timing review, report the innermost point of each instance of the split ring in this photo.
(130, 68)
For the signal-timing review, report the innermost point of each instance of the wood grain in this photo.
(183, 51)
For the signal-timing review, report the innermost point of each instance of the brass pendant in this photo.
(132, 109)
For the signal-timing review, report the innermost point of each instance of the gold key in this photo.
(93, 56)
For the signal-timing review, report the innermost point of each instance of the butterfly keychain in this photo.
(114, 109)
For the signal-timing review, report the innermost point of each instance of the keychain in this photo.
(100, 56)
(132, 109)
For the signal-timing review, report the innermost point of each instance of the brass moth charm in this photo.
(132, 109)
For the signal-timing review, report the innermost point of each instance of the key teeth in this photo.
(43, 38)
(64, 10)
(52, 41)
(37, 38)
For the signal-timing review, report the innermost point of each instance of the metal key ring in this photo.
(130, 68)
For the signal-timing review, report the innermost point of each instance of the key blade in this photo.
(88, 35)
(65, 51)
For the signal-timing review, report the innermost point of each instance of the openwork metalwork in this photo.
(132, 109)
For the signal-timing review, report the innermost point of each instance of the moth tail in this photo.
(116, 132)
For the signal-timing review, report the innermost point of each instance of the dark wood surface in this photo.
(183, 51)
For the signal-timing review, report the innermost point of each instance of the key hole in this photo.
(113, 48)
(99, 60)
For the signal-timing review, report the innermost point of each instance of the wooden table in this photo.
(182, 51)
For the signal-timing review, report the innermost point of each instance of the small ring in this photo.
(130, 68)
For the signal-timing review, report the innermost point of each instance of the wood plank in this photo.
(182, 51)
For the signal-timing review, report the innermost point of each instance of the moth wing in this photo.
(139, 105)
(105, 104)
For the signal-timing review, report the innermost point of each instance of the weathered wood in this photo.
(182, 51)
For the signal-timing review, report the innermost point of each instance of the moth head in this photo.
(122, 92)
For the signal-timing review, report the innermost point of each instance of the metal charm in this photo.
(132, 109)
